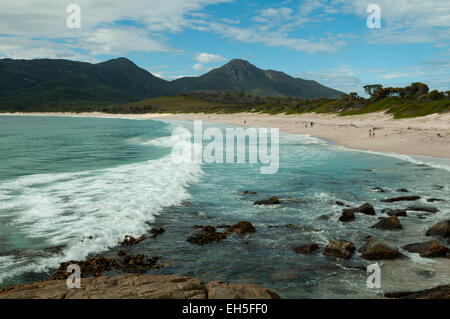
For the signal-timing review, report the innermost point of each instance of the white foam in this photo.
(108, 204)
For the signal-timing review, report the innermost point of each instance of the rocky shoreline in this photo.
(136, 284)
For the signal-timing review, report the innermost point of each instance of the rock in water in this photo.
(376, 250)
(400, 199)
(347, 216)
(306, 249)
(366, 209)
(389, 223)
(430, 249)
(402, 190)
(271, 201)
(441, 229)
(423, 209)
(242, 228)
(396, 212)
(339, 249)
(206, 235)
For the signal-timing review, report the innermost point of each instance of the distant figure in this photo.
(373, 132)
(245, 123)
(312, 124)
(370, 133)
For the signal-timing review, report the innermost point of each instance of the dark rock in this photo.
(138, 263)
(401, 198)
(396, 212)
(54, 250)
(379, 190)
(242, 228)
(90, 267)
(388, 223)
(347, 216)
(206, 235)
(440, 292)
(155, 232)
(431, 249)
(402, 190)
(432, 200)
(306, 249)
(366, 209)
(339, 203)
(377, 250)
(122, 253)
(423, 209)
(339, 249)
(130, 240)
(271, 201)
(441, 229)
(247, 193)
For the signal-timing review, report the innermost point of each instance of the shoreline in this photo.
(423, 136)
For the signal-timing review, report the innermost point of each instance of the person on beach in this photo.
(370, 133)
(312, 124)
(373, 132)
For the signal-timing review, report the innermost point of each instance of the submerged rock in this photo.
(402, 190)
(306, 249)
(432, 200)
(339, 249)
(396, 212)
(248, 193)
(441, 229)
(388, 223)
(206, 235)
(130, 240)
(378, 190)
(377, 250)
(430, 249)
(400, 199)
(155, 232)
(242, 228)
(347, 216)
(271, 201)
(423, 209)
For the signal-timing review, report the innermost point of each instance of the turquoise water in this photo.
(63, 180)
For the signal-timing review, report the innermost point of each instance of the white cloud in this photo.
(206, 58)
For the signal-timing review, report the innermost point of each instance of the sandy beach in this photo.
(425, 136)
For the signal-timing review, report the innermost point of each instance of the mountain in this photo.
(239, 75)
(45, 84)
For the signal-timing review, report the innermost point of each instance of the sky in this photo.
(324, 40)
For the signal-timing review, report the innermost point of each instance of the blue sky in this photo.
(324, 40)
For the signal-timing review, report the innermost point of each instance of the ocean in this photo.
(72, 187)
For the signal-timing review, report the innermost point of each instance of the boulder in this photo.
(138, 263)
(423, 209)
(441, 229)
(242, 228)
(222, 290)
(347, 216)
(402, 190)
(431, 249)
(366, 209)
(339, 249)
(206, 235)
(396, 212)
(400, 199)
(388, 223)
(377, 250)
(339, 203)
(306, 249)
(271, 201)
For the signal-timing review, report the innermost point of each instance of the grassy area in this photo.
(398, 107)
